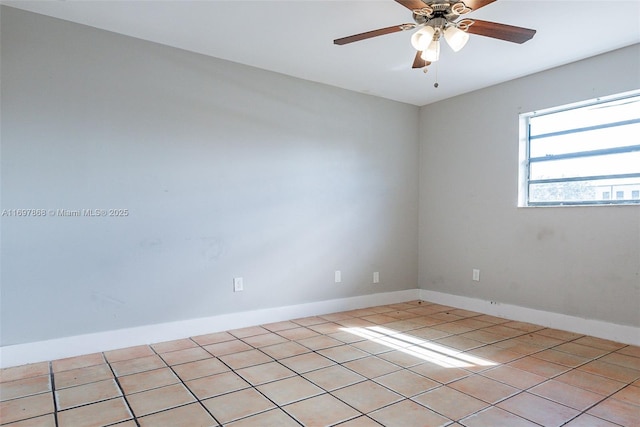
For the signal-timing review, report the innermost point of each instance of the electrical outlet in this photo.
(476, 275)
(338, 276)
(376, 277)
(238, 284)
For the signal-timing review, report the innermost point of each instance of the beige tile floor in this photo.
(409, 364)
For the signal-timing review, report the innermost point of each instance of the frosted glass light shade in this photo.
(420, 39)
(456, 38)
(432, 53)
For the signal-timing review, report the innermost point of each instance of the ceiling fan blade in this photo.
(418, 62)
(374, 33)
(477, 4)
(412, 4)
(501, 31)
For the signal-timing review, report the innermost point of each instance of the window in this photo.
(581, 154)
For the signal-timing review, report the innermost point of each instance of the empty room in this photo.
(320, 213)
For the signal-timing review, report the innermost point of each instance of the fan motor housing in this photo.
(440, 9)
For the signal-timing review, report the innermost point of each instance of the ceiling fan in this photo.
(437, 18)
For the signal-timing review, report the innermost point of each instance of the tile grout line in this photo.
(124, 395)
(54, 394)
(470, 372)
(182, 382)
(281, 407)
(523, 356)
(411, 398)
(401, 366)
(255, 388)
(320, 387)
(365, 379)
(200, 401)
(571, 368)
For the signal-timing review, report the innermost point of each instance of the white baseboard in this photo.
(59, 348)
(40, 351)
(595, 328)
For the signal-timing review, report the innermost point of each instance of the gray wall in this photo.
(231, 171)
(225, 170)
(579, 261)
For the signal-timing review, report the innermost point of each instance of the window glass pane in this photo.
(582, 147)
(592, 115)
(619, 136)
(611, 164)
(585, 191)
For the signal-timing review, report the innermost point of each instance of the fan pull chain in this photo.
(436, 83)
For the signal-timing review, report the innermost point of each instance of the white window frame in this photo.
(525, 160)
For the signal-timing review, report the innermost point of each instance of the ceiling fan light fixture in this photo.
(456, 38)
(432, 52)
(436, 18)
(420, 39)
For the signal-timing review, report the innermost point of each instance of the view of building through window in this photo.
(582, 154)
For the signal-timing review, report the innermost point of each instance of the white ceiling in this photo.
(295, 37)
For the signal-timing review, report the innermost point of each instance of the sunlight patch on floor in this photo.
(416, 347)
